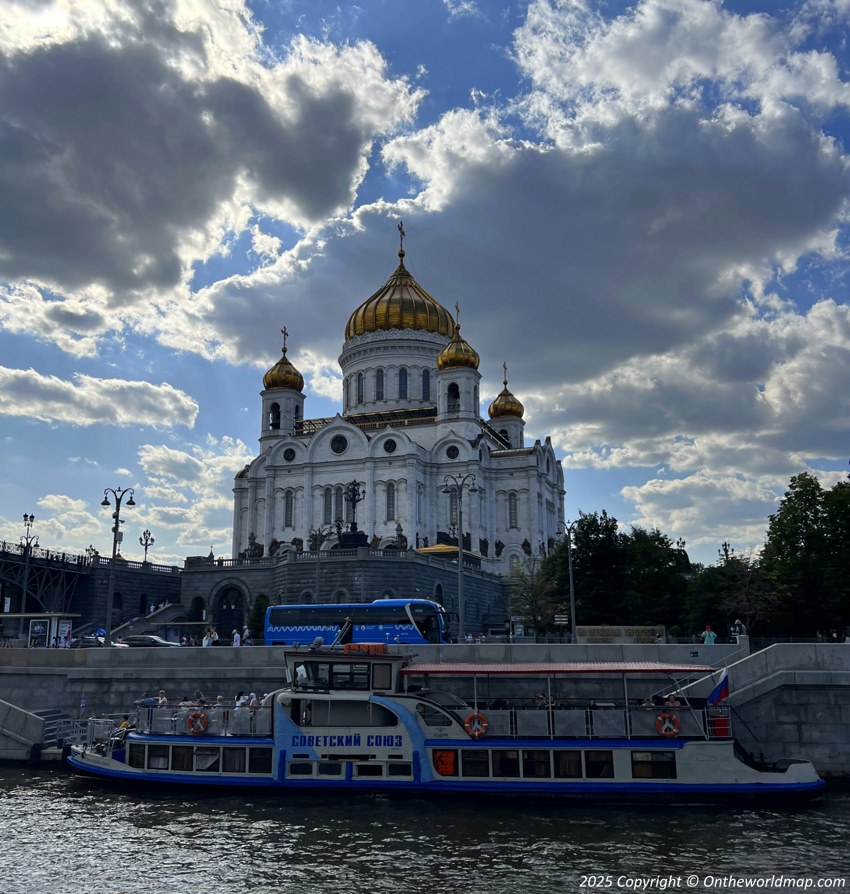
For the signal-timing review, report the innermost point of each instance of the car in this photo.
(144, 639)
(92, 642)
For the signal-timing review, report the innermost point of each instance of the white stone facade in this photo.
(405, 425)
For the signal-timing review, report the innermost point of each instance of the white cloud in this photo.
(89, 401)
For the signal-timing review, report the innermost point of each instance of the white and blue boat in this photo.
(361, 719)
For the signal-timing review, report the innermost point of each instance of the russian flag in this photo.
(721, 690)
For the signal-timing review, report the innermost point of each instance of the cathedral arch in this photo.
(379, 384)
(274, 416)
(438, 594)
(402, 384)
(360, 388)
(340, 595)
(289, 509)
(426, 384)
(327, 506)
(513, 510)
(453, 398)
(390, 502)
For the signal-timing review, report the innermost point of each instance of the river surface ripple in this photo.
(63, 835)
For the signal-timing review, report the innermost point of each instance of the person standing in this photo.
(237, 639)
(708, 636)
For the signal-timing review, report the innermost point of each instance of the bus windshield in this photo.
(382, 621)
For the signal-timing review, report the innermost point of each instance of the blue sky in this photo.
(641, 208)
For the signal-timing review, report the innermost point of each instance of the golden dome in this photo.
(505, 403)
(401, 303)
(458, 353)
(283, 374)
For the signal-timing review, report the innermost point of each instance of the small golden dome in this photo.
(401, 303)
(458, 353)
(283, 374)
(505, 403)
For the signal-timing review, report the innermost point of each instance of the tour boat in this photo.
(360, 718)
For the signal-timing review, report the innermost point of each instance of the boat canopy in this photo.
(557, 667)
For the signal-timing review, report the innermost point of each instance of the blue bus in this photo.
(382, 621)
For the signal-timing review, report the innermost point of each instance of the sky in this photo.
(640, 207)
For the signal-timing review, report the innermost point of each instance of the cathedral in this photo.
(409, 463)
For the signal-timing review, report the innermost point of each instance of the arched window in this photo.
(426, 384)
(379, 385)
(453, 507)
(514, 562)
(360, 388)
(328, 508)
(402, 384)
(274, 416)
(504, 433)
(288, 509)
(453, 404)
(513, 515)
(352, 391)
(390, 502)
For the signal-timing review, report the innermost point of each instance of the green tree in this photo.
(599, 569)
(257, 617)
(655, 578)
(533, 594)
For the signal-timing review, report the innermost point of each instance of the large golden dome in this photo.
(505, 403)
(283, 374)
(458, 353)
(401, 303)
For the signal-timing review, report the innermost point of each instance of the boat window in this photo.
(137, 756)
(505, 762)
(475, 762)
(207, 759)
(382, 676)
(234, 760)
(399, 769)
(654, 764)
(330, 768)
(568, 764)
(599, 764)
(182, 757)
(536, 764)
(348, 712)
(445, 761)
(259, 760)
(432, 716)
(369, 769)
(157, 757)
(349, 676)
(300, 769)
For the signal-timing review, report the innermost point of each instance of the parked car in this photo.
(92, 642)
(145, 639)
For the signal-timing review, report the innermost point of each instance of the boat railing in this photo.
(200, 721)
(607, 721)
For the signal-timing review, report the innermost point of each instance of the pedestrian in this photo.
(708, 636)
(206, 642)
(237, 640)
(246, 636)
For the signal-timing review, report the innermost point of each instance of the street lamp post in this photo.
(455, 484)
(28, 541)
(118, 495)
(147, 541)
(319, 536)
(568, 532)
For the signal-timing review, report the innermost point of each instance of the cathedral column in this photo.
(371, 496)
(308, 503)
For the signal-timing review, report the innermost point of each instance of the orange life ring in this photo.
(667, 724)
(476, 724)
(197, 723)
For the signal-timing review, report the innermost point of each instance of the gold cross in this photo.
(284, 332)
(401, 236)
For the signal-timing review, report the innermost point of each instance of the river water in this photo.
(64, 835)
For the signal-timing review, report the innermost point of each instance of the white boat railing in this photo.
(224, 720)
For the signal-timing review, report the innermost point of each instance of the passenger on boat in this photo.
(200, 701)
(671, 701)
(648, 702)
(185, 702)
(146, 701)
(162, 701)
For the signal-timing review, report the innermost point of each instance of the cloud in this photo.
(132, 141)
(90, 401)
